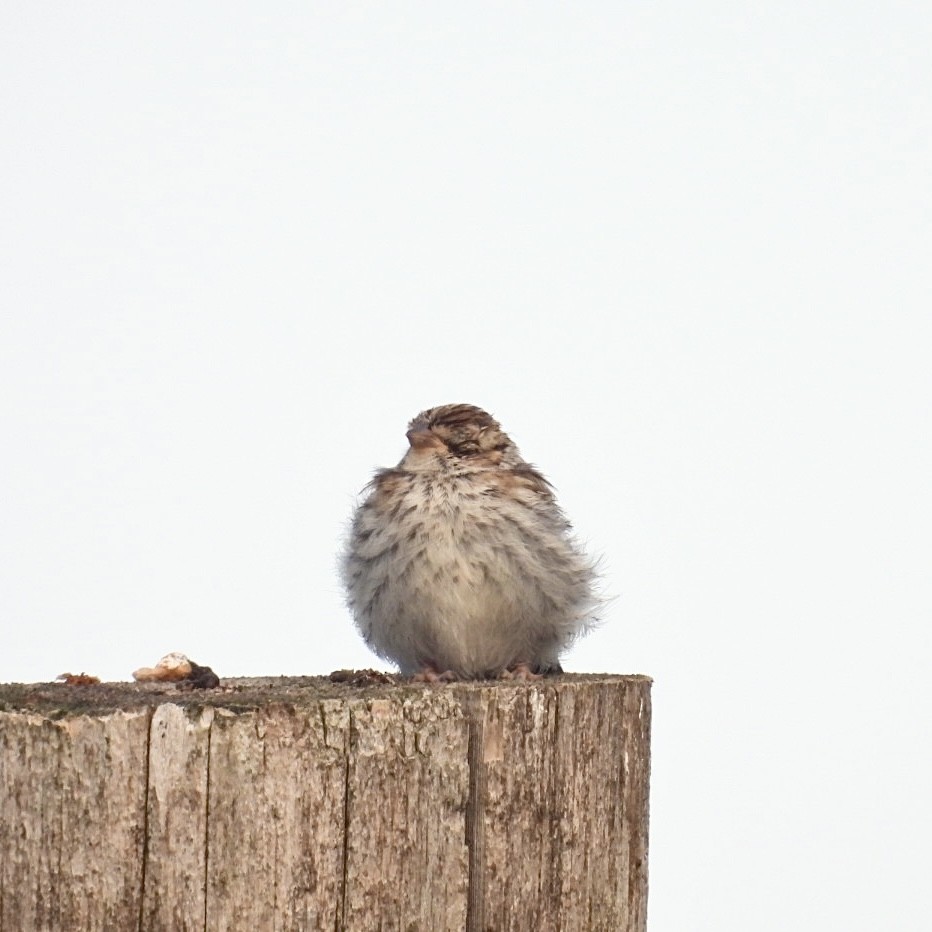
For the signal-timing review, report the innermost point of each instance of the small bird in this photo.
(459, 563)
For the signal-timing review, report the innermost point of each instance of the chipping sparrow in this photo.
(460, 563)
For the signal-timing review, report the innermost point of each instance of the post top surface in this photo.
(242, 694)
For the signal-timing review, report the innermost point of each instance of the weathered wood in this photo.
(72, 798)
(175, 855)
(300, 805)
(277, 785)
(407, 788)
(563, 834)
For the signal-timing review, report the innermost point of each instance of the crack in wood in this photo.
(346, 820)
(474, 812)
(210, 731)
(145, 822)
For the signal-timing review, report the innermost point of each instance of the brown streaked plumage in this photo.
(460, 562)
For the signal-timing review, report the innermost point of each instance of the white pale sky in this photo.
(682, 251)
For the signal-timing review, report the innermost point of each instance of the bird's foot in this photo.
(430, 674)
(519, 671)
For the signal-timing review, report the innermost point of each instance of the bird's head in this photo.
(458, 431)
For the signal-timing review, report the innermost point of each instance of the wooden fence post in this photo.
(298, 804)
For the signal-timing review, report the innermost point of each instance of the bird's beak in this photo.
(420, 437)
